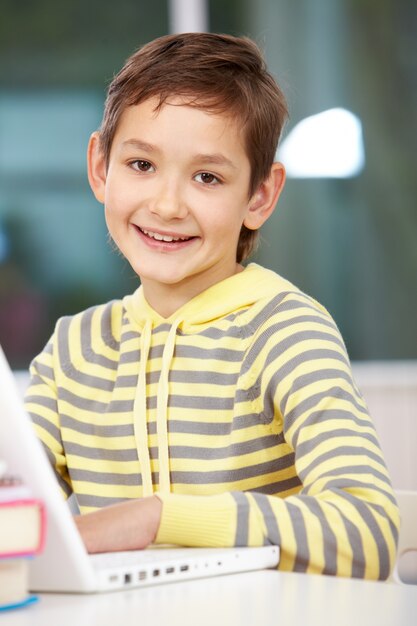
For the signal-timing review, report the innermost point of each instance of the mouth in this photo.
(167, 240)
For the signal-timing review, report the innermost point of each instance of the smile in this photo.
(159, 237)
(164, 242)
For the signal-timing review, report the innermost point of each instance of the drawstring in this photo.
(139, 412)
(162, 410)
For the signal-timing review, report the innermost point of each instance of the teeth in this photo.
(159, 237)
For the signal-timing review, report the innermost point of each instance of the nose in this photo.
(168, 201)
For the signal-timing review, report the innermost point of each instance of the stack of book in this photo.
(22, 533)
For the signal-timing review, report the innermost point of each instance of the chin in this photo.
(166, 278)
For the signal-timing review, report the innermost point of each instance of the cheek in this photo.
(110, 223)
(119, 205)
(224, 231)
(115, 214)
(227, 216)
(115, 199)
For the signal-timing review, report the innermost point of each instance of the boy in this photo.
(215, 406)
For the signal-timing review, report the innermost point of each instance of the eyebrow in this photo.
(141, 145)
(210, 159)
(215, 159)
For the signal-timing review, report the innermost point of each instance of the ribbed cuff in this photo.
(197, 521)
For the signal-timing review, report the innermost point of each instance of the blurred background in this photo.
(343, 232)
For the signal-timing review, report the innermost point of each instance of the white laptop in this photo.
(65, 565)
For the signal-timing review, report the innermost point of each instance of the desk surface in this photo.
(263, 598)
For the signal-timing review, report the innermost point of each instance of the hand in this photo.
(130, 525)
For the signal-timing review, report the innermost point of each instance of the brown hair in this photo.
(217, 73)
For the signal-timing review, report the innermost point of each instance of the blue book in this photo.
(16, 605)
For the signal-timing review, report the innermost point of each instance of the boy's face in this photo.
(176, 196)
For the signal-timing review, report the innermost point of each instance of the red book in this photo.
(22, 521)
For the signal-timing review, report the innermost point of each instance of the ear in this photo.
(96, 167)
(263, 201)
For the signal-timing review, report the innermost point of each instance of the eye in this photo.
(142, 166)
(207, 178)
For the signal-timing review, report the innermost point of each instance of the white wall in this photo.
(390, 390)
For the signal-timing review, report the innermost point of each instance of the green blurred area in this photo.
(349, 243)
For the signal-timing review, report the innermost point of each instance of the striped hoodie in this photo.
(239, 411)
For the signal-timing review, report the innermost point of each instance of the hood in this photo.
(239, 291)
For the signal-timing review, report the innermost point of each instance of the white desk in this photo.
(263, 598)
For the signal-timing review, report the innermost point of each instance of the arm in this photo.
(41, 404)
(130, 525)
(344, 520)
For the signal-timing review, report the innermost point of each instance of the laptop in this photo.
(65, 565)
